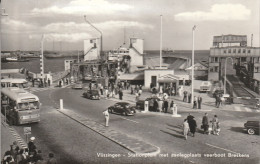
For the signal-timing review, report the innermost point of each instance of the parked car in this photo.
(205, 86)
(92, 94)
(252, 127)
(123, 108)
(140, 103)
(78, 85)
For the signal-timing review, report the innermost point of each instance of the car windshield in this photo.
(94, 92)
(28, 105)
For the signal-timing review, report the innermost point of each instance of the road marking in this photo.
(129, 120)
(221, 148)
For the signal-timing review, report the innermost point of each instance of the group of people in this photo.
(64, 81)
(219, 99)
(30, 155)
(190, 125)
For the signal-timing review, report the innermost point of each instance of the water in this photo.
(50, 65)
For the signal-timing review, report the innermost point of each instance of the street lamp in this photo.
(192, 72)
(226, 72)
(101, 41)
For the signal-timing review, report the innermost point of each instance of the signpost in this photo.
(27, 131)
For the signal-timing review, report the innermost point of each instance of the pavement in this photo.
(132, 144)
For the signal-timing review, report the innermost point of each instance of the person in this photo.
(49, 82)
(31, 145)
(59, 83)
(140, 92)
(189, 98)
(189, 118)
(136, 96)
(132, 90)
(52, 159)
(193, 126)
(14, 148)
(205, 123)
(165, 106)
(106, 114)
(106, 92)
(185, 128)
(217, 101)
(32, 82)
(215, 123)
(155, 105)
(171, 106)
(195, 102)
(101, 89)
(8, 158)
(199, 102)
(120, 94)
(185, 96)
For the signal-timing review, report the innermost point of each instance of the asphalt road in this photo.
(73, 143)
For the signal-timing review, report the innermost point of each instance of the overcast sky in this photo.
(63, 25)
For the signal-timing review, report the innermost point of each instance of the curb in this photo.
(150, 151)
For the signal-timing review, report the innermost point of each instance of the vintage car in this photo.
(123, 108)
(252, 127)
(205, 86)
(78, 85)
(92, 94)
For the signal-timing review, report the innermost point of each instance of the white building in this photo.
(92, 49)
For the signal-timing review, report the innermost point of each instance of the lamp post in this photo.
(226, 72)
(101, 41)
(161, 44)
(192, 71)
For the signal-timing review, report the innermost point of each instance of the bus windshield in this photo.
(28, 105)
(20, 85)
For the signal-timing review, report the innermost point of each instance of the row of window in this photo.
(257, 70)
(237, 51)
(243, 59)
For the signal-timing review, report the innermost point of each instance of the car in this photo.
(205, 86)
(252, 127)
(123, 108)
(78, 85)
(140, 103)
(92, 94)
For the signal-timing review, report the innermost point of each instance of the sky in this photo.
(64, 28)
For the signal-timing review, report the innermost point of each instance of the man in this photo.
(185, 96)
(31, 145)
(106, 114)
(49, 82)
(189, 98)
(195, 102)
(205, 123)
(199, 102)
(165, 106)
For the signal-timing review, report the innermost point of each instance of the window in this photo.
(257, 70)
(234, 50)
(229, 50)
(239, 51)
(244, 50)
(225, 51)
(248, 51)
(216, 69)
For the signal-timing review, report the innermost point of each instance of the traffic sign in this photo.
(27, 130)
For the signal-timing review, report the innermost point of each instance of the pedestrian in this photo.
(31, 145)
(189, 118)
(199, 102)
(155, 105)
(120, 94)
(59, 83)
(21, 157)
(49, 82)
(205, 123)
(189, 98)
(165, 106)
(32, 82)
(132, 90)
(14, 148)
(106, 92)
(185, 96)
(106, 114)
(193, 126)
(217, 101)
(195, 102)
(140, 92)
(8, 158)
(136, 97)
(185, 128)
(215, 125)
(171, 106)
(101, 89)
(52, 159)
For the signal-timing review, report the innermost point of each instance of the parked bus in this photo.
(20, 106)
(10, 82)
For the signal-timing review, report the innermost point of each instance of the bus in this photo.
(11, 82)
(19, 106)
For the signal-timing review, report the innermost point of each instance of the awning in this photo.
(131, 77)
(168, 78)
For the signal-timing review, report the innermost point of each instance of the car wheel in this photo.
(251, 131)
(124, 113)
(109, 111)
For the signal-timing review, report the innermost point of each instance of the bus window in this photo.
(14, 85)
(28, 106)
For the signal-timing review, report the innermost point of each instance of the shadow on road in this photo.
(238, 129)
(174, 135)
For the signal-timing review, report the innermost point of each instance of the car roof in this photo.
(122, 103)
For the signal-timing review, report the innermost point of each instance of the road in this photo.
(74, 143)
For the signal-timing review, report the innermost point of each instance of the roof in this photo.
(135, 76)
(168, 78)
(18, 94)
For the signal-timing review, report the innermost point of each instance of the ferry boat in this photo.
(14, 59)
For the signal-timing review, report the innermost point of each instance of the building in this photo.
(92, 49)
(228, 49)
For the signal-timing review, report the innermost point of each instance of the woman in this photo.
(171, 106)
(215, 125)
(185, 128)
(193, 126)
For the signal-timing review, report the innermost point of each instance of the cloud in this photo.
(68, 37)
(15, 26)
(81, 7)
(218, 12)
